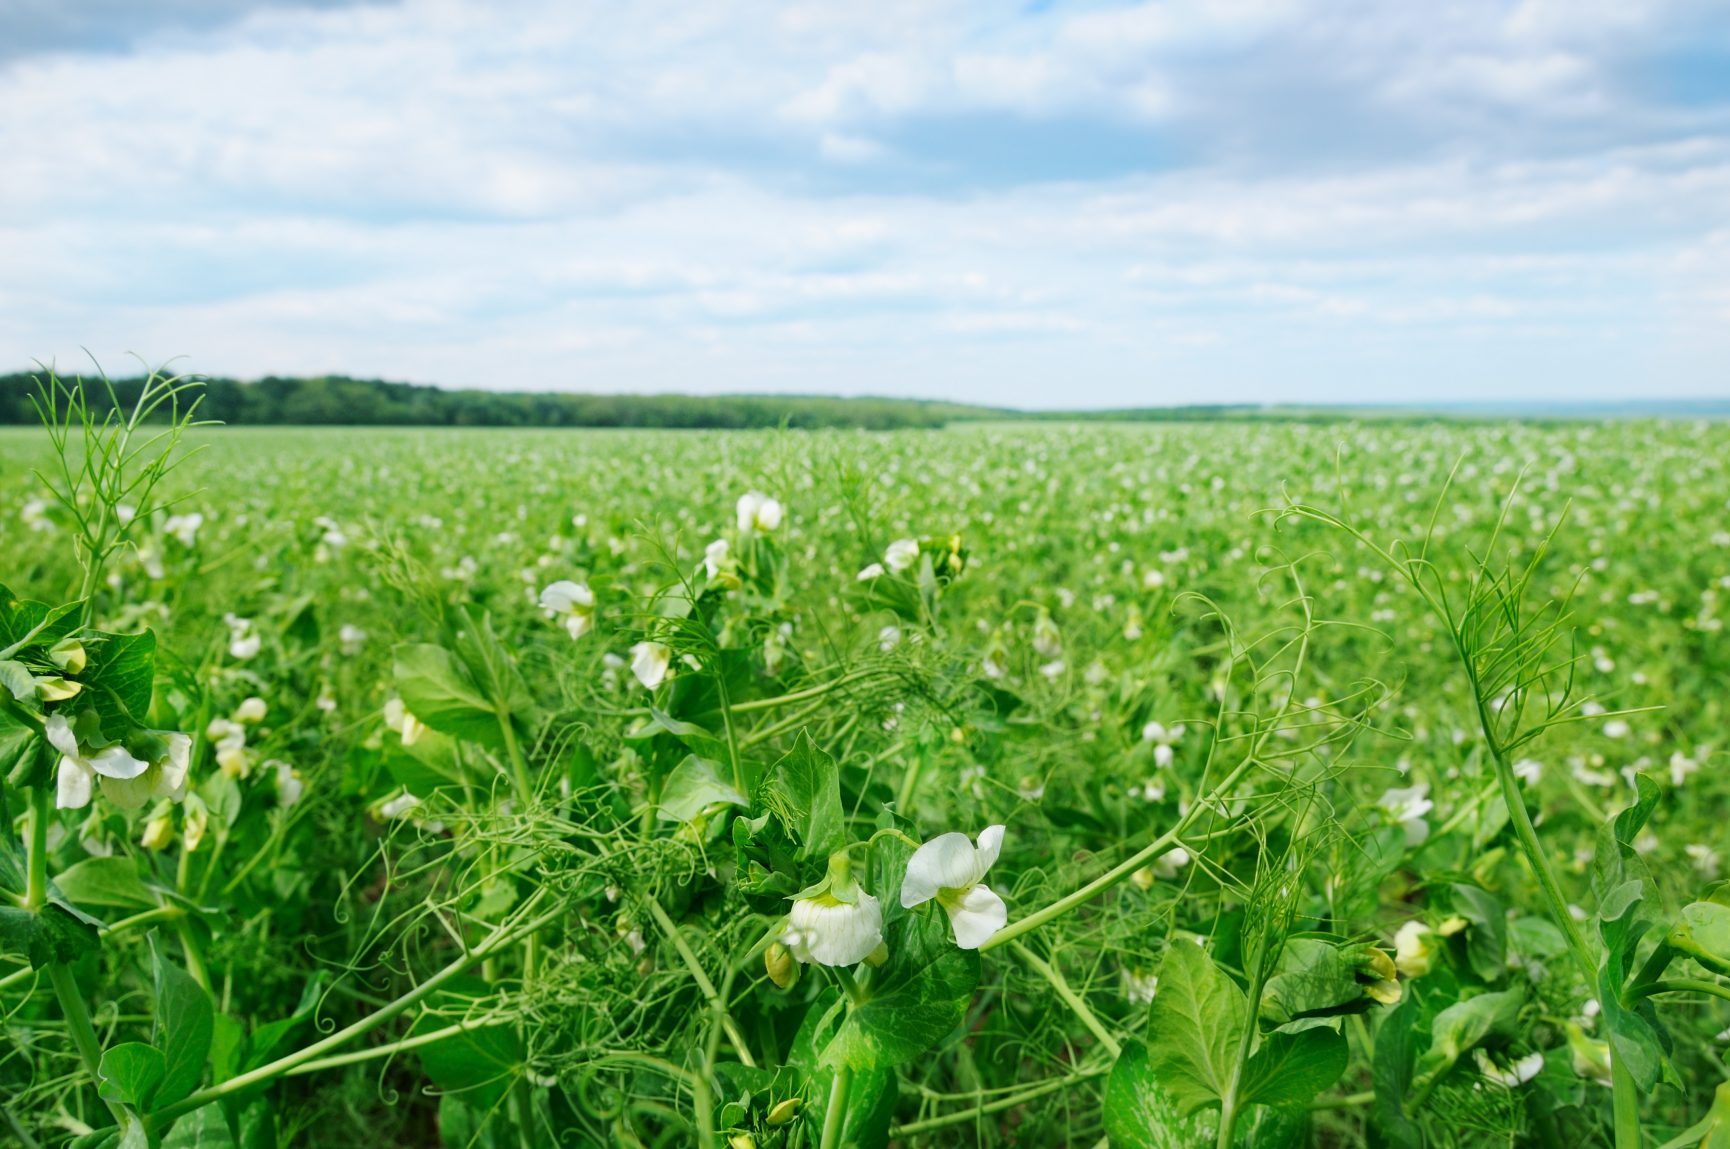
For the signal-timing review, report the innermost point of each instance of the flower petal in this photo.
(979, 914)
(835, 933)
(117, 762)
(946, 862)
(990, 845)
(60, 736)
(73, 784)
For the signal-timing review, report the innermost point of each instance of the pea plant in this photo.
(658, 843)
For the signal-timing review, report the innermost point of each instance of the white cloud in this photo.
(930, 198)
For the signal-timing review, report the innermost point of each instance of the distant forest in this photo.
(340, 400)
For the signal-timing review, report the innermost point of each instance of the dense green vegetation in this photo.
(1241, 784)
(338, 400)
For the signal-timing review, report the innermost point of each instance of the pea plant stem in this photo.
(835, 1116)
(1060, 984)
(503, 935)
(36, 881)
(986, 1108)
(704, 984)
(83, 1033)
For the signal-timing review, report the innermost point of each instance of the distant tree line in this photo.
(341, 400)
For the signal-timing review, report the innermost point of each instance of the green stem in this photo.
(192, 952)
(1052, 974)
(519, 767)
(83, 1033)
(835, 1116)
(707, 987)
(36, 887)
(989, 1107)
(1120, 871)
(500, 937)
(1624, 1103)
(1679, 985)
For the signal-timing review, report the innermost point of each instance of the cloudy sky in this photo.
(1041, 204)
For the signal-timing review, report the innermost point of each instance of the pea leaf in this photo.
(1314, 977)
(112, 882)
(1463, 1025)
(130, 1073)
(439, 691)
(55, 933)
(1140, 1113)
(480, 1063)
(1487, 941)
(24, 622)
(118, 678)
(914, 1001)
(803, 791)
(1703, 933)
(492, 667)
(1291, 1068)
(694, 785)
(1391, 1075)
(185, 1025)
(1195, 1027)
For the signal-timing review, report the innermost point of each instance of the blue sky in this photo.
(1040, 204)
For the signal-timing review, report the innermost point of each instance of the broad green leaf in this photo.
(112, 882)
(697, 739)
(16, 680)
(129, 1073)
(915, 1000)
(118, 679)
(1391, 1075)
(25, 623)
(1487, 940)
(1314, 977)
(1463, 1025)
(1195, 1027)
(693, 786)
(1703, 933)
(439, 691)
(55, 933)
(1291, 1068)
(1141, 1114)
(803, 791)
(185, 1026)
(1632, 1033)
(871, 1098)
(480, 1063)
(492, 668)
(22, 761)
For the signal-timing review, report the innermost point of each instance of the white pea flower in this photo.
(351, 638)
(1407, 807)
(1681, 766)
(1162, 740)
(888, 638)
(398, 806)
(715, 557)
(1046, 639)
(952, 870)
(834, 923)
(289, 786)
(575, 601)
(398, 718)
(1528, 770)
(78, 772)
(902, 554)
(758, 512)
(127, 780)
(1414, 951)
(1171, 863)
(184, 527)
(875, 570)
(1514, 1075)
(251, 710)
(244, 641)
(649, 662)
(1139, 988)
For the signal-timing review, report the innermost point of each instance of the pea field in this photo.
(1262, 783)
